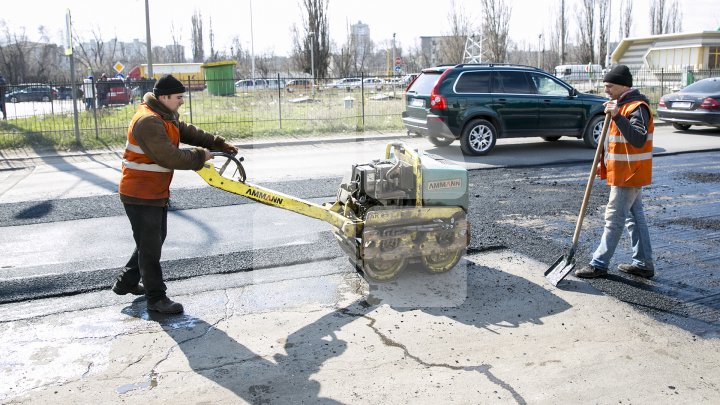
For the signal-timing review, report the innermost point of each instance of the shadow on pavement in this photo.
(288, 377)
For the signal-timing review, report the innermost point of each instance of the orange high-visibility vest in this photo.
(623, 164)
(141, 177)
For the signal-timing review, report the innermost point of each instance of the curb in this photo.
(11, 160)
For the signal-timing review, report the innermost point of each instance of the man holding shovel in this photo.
(627, 167)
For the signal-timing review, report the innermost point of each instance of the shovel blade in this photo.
(561, 268)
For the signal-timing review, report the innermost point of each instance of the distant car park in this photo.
(31, 92)
(696, 104)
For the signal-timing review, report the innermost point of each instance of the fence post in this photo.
(662, 81)
(362, 99)
(189, 90)
(279, 101)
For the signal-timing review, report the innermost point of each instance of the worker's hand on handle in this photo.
(230, 149)
(208, 155)
(611, 107)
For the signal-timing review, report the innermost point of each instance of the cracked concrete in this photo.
(509, 337)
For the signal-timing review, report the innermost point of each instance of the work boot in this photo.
(120, 289)
(636, 271)
(590, 271)
(165, 305)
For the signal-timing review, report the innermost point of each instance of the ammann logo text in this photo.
(437, 185)
(265, 197)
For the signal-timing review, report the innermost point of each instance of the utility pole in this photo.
(562, 32)
(311, 34)
(147, 40)
(69, 52)
(607, 57)
(393, 53)
(539, 50)
(252, 47)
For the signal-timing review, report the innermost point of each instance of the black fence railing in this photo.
(44, 113)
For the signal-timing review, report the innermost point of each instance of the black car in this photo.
(65, 92)
(696, 104)
(479, 103)
(31, 93)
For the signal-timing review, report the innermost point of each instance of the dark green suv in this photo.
(478, 103)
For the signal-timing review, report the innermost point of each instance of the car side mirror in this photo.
(573, 92)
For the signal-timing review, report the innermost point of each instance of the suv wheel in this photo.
(478, 138)
(440, 140)
(593, 131)
(45, 98)
(14, 99)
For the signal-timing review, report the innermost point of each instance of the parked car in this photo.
(696, 104)
(298, 84)
(375, 83)
(64, 92)
(479, 103)
(275, 83)
(118, 92)
(248, 84)
(31, 92)
(348, 83)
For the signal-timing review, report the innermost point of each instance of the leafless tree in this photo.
(198, 51)
(625, 18)
(664, 18)
(603, 9)
(586, 31)
(314, 34)
(558, 36)
(177, 54)
(95, 55)
(495, 29)
(453, 49)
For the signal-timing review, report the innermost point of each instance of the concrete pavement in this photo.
(302, 335)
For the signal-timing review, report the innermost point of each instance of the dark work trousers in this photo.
(149, 226)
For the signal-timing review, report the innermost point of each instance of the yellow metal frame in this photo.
(329, 213)
(404, 154)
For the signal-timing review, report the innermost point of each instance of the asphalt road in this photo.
(529, 210)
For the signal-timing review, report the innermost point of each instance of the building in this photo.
(360, 38)
(677, 51)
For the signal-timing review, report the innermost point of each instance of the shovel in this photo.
(566, 263)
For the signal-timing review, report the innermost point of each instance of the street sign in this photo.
(397, 68)
(398, 61)
(118, 67)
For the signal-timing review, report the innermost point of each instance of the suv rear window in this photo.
(473, 82)
(425, 83)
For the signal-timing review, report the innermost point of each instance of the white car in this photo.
(373, 83)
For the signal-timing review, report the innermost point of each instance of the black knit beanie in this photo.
(619, 74)
(168, 85)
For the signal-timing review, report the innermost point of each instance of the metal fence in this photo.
(275, 106)
(281, 105)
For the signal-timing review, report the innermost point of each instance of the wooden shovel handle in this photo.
(591, 179)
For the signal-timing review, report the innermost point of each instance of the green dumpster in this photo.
(219, 77)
